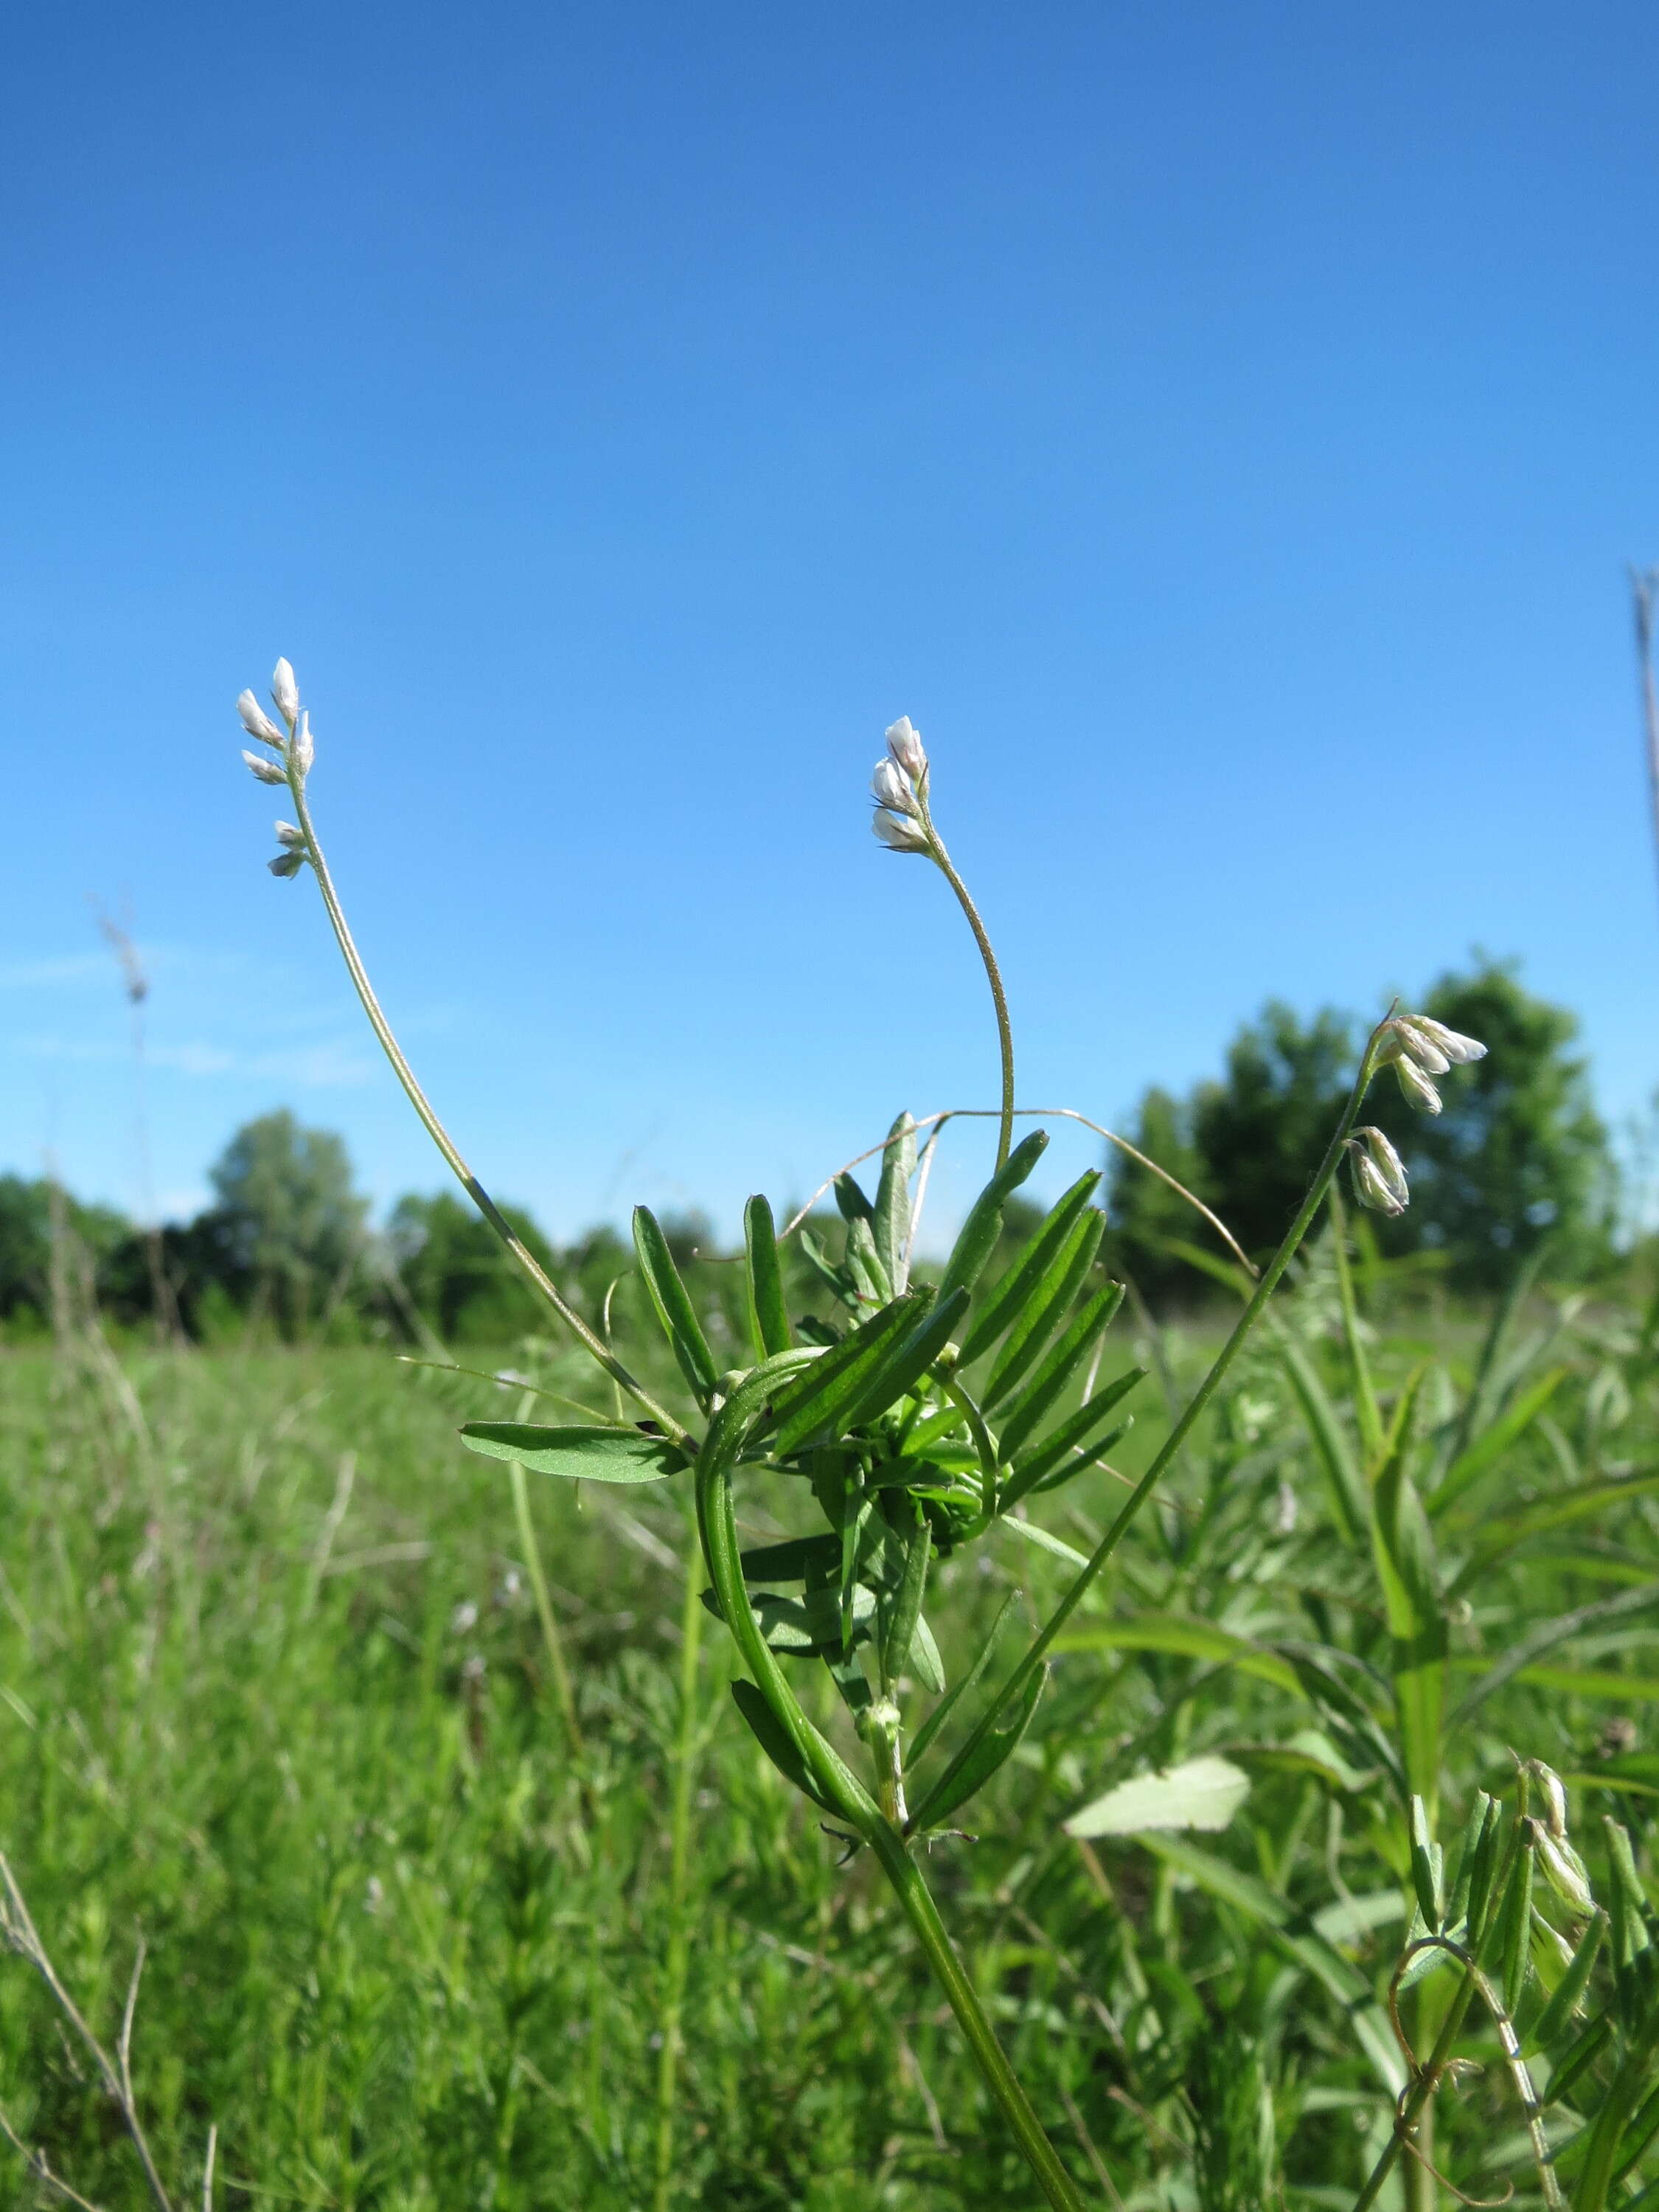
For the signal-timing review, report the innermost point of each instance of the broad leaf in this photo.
(582, 1455)
(1201, 1793)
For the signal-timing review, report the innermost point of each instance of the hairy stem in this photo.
(526, 1259)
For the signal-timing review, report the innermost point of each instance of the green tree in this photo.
(454, 1268)
(288, 1215)
(32, 1215)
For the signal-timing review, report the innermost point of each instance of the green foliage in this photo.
(36, 1220)
(454, 1268)
(288, 1214)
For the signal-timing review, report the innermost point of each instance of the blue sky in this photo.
(1222, 430)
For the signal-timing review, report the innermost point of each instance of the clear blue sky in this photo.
(1221, 429)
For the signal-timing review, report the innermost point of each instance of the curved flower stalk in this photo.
(903, 822)
(913, 1424)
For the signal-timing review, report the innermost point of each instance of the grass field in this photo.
(275, 1690)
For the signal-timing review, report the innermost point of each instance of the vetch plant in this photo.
(906, 1429)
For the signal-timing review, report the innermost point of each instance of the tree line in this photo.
(1518, 1154)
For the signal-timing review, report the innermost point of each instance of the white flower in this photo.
(1552, 1791)
(285, 692)
(896, 834)
(267, 771)
(904, 743)
(287, 864)
(1379, 1178)
(1420, 1094)
(304, 751)
(892, 787)
(255, 721)
(1458, 1049)
(288, 834)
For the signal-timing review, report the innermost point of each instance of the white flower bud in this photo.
(287, 864)
(904, 743)
(285, 692)
(896, 834)
(892, 787)
(288, 834)
(1563, 1870)
(1458, 1049)
(1551, 1788)
(1379, 1178)
(1420, 1094)
(255, 721)
(1407, 1040)
(267, 771)
(304, 751)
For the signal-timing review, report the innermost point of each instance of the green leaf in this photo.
(1201, 1793)
(812, 1408)
(1517, 1661)
(1556, 2019)
(774, 1740)
(924, 1661)
(1184, 1639)
(581, 1455)
(1487, 1448)
(835, 1280)
(892, 1210)
(1045, 1306)
(978, 1758)
(906, 1362)
(1048, 1385)
(807, 1626)
(1296, 1933)
(1342, 1473)
(768, 1315)
(793, 1560)
(673, 1306)
(941, 1713)
(905, 1607)
(1403, 1547)
(1027, 1276)
(1076, 1433)
(977, 1240)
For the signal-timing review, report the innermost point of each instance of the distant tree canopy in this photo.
(28, 1213)
(1518, 1152)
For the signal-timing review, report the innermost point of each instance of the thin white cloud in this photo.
(326, 1067)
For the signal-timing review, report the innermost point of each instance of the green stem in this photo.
(685, 1759)
(435, 1128)
(545, 1613)
(1370, 1420)
(994, 975)
(1018, 1681)
(842, 1789)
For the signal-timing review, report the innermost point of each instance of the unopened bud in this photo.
(304, 751)
(288, 834)
(1379, 1180)
(1563, 1870)
(1420, 1094)
(892, 787)
(904, 743)
(255, 721)
(287, 864)
(267, 771)
(1458, 1049)
(1407, 1040)
(1551, 1788)
(285, 692)
(896, 834)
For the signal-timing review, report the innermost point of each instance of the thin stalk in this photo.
(1018, 1681)
(679, 1861)
(993, 973)
(526, 1258)
(550, 1637)
(1370, 1420)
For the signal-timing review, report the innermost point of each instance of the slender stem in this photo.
(914, 1894)
(435, 1128)
(994, 975)
(673, 2004)
(840, 1789)
(1371, 1420)
(1018, 1681)
(550, 1637)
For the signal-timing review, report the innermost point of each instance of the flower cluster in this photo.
(294, 751)
(1417, 1047)
(900, 784)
